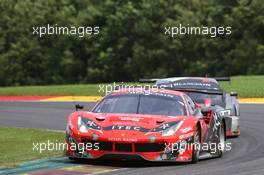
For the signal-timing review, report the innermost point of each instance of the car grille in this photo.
(128, 147)
(123, 147)
(103, 146)
(149, 147)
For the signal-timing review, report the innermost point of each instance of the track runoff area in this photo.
(246, 161)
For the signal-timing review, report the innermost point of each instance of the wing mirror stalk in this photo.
(207, 114)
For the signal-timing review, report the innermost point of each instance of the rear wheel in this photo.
(196, 146)
(75, 159)
(221, 146)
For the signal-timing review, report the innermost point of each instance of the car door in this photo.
(194, 111)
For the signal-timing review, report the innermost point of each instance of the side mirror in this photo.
(233, 94)
(78, 106)
(206, 114)
(206, 110)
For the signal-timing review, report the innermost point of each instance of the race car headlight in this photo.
(81, 125)
(84, 124)
(172, 130)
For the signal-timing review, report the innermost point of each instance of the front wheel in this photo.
(196, 146)
(221, 146)
(75, 159)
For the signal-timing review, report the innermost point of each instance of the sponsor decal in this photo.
(185, 130)
(128, 128)
(224, 113)
(185, 136)
(192, 84)
(115, 139)
(127, 123)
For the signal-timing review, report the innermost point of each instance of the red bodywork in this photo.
(125, 137)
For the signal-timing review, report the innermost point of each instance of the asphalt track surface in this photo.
(245, 158)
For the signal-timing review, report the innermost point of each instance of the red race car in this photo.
(154, 124)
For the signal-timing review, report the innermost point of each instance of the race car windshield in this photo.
(216, 99)
(142, 104)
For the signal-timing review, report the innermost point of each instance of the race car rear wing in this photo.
(148, 80)
(221, 78)
(152, 80)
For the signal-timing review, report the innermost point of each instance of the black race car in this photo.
(206, 92)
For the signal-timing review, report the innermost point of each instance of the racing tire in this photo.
(222, 140)
(236, 114)
(196, 145)
(75, 159)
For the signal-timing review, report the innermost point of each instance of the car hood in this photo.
(136, 122)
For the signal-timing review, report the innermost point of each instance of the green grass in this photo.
(246, 86)
(17, 144)
(86, 89)
(69, 90)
